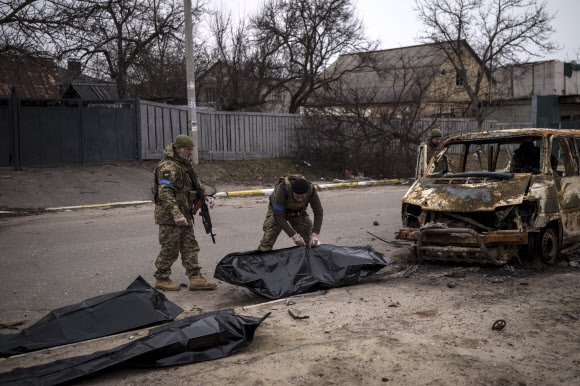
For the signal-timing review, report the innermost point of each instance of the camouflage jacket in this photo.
(431, 148)
(175, 195)
(282, 203)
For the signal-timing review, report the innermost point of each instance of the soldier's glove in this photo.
(298, 240)
(180, 221)
(314, 240)
(210, 201)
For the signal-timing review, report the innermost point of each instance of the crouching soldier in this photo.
(287, 212)
(174, 199)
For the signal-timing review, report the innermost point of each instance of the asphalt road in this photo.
(408, 324)
(57, 259)
(74, 185)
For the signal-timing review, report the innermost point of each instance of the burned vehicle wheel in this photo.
(548, 245)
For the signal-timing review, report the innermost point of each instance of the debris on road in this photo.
(296, 315)
(409, 271)
(498, 325)
(571, 315)
(426, 313)
(12, 325)
(457, 272)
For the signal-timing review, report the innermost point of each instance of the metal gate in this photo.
(46, 133)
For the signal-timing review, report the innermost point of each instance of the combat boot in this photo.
(198, 282)
(166, 284)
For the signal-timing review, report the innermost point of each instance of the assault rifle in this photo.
(205, 218)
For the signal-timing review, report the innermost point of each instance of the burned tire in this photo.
(548, 245)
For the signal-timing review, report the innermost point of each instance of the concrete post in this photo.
(190, 69)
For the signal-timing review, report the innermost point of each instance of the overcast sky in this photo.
(395, 24)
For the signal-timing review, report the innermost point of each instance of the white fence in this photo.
(236, 136)
(221, 135)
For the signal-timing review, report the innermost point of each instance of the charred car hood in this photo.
(468, 192)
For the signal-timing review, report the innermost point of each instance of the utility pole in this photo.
(190, 69)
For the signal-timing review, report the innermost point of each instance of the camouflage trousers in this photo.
(301, 224)
(175, 239)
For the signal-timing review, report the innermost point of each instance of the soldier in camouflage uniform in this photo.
(287, 212)
(174, 200)
(434, 142)
(426, 151)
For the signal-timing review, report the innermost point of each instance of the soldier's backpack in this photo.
(285, 179)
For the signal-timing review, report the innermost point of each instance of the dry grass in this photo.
(264, 171)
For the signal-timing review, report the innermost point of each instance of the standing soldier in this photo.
(174, 199)
(434, 142)
(287, 211)
(426, 151)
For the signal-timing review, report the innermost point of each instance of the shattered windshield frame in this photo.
(519, 154)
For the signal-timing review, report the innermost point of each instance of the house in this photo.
(32, 78)
(42, 79)
(550, 77)
(420, 80)
(76, 85)
(544, 93)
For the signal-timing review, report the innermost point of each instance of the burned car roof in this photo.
(507, 134)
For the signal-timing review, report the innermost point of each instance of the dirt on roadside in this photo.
(31, 190)
(256, 173)
(409, 324)
(412, 323)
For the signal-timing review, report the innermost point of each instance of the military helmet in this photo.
(435, 133)
(183, 141)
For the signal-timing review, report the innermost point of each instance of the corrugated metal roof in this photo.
(106, 91)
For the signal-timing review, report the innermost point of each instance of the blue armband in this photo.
(165, 182)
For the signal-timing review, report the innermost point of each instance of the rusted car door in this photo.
(567, 178)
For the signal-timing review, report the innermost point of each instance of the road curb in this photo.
(126, 203)
(351, 184)
(237, 193)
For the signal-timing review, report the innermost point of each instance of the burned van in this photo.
(489, 197)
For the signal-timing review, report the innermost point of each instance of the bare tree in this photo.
(297, 39)
(233, 78)
(500, 32)
(136, 43)
(160, 71)
(27, 26)
(114, 34)
(278, 55)
(368, 122)
(576, 54)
